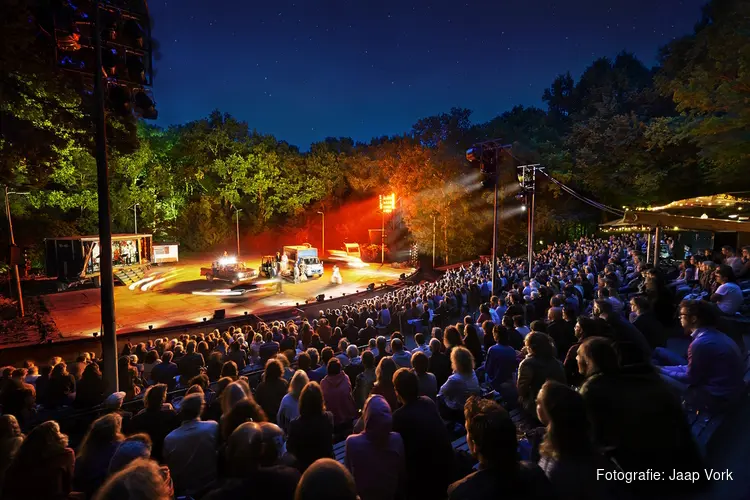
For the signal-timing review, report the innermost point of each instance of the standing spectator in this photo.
(351, 332)
(151, 360)
(440, 363)
(426, 381)
(459, 386)
(491, 436)
(325, 355)
(376, 457)
(289, 408)
(157, 419)
(567, 454)
(473, 344)
(310, 435)
(238, 355)
(384, 383)
(355, 367)
(342, 356)
(268, 349)
(96, 450)
(90, 389)
(559, 331)
(127, 375)
(337, 393)
(500, 366)
(328, 479)
(427, 445)
(190, 451)
(421, 345)
(43, 466)
(271, 389)
(190, 365)
(539, 366)
(366, 379)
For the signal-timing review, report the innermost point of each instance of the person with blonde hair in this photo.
(142, 479)
(459, 386)
(289, 408)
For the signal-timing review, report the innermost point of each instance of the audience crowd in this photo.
(560, 372)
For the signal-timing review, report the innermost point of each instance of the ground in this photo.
(184, 296)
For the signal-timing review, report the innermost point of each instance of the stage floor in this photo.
(172, 302)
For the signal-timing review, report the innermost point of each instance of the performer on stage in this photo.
(302, 271)
(336, 278)
(284, 262)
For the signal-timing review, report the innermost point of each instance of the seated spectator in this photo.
(289, 408)
(501, 364)
(268, 349)
(11, 439)
(491, 436)
(351, 332)
(421, 345)
(585, 328)
(337, 394)
(559, 331)
(190, 451)
(487, 339)
(645, 320)
(427, 383)
(327, 479)
(151, 360)
(427, 445)
(325, 355)
(567, 454)
(342, 356)
(61, 389)
(238, 406)
(310, 435)
(630, 343)
(376, 457)
(131, 448)
(157, 419)
(271, 389)
(714, 370)
(384, 381)
(247, 472)
(366, 379)
(400, 356)
(90, 389)
(618, 403)
(473, 344)
(17, 397)
(520, 326)
(96, 450)
(191, 363)
(166, 371)
(539, 366)
(440, 363)
(354, 367)
(238, 355)
(214, 364)
(141, 479)
(728, 297)
(462, 384)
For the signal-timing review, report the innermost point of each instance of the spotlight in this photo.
(523, 208)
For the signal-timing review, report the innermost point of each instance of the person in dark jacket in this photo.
(90, 389)
(166, 371)
(440, 363)
(310, 435)
(96, 450)
(351, 332)
(585, 328)
(630, 343)
(157, 419)
(647, 322)
(272, 389)
(427, 444)
(491, 436)
(501, 364)
(539, 366)
(560, 332)
(191, 363)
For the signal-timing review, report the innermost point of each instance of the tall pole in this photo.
(323, 236)
(531, 232)
(109, 327)
(135, 217)
(493, 259)
(237, 213)
(382, 239)
(16, 276)
(434, 238)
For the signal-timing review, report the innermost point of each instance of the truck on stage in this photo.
(228, 269)
(307, 255)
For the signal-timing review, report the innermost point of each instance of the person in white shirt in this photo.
(728, 297)
(190, 451)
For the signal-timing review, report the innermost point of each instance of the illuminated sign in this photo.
(388, 203)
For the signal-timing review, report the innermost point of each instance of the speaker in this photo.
(371, 287)
(220, 314)
(402, 277)
(321, 297)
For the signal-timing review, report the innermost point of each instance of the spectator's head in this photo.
(555, 314)
(313, 353)
(435, 346)
(406, 384)
(696, 314)
(352, 351)
(311, 401)
(419, 338)
(43, 442)
(201, 380)
(640, 304)
(104, 431)
(273, 444)
(727, 251)
(155, 397)
(539, 345)
(420, 362)
(325, 355)
(384, 372)
(562, 410)
(370, 322)
(602, 308)
(299, 381)
(397, 345)
(190, 348)
(368, 360)
(597, 355)
(9, 428)
(328, 479)
(500, 334)
(381, 342)
(303, 361)
(587, 327)
(491, 434)
(518, 321)
(343, 344)
(229, 369)
(143, 479)
(333, 367)
(462, 361)
(274, 370)
(132, 448)
(725, 274)
(452, 337)
(538, 326)
(244, 449)
(192, 406)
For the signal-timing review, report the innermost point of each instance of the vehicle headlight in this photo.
(240, 275)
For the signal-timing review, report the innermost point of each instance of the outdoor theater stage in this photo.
(178, 295)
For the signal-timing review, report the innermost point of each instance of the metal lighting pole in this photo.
(135, 216)
(237, 212)
(109, 327)
(323, 236)
(382, 239)
(13, 244)
(493, 262)
(434, 238)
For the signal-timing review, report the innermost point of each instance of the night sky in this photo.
(304, 70)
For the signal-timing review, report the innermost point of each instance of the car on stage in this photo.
(228, 269)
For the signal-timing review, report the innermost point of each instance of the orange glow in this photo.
(388, 203)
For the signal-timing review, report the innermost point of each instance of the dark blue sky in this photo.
(307, 69)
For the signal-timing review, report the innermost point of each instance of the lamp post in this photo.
(135, 216)
(13, 244)
(237, 213)
(387, 205)
(434, 238)
(323, 236)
